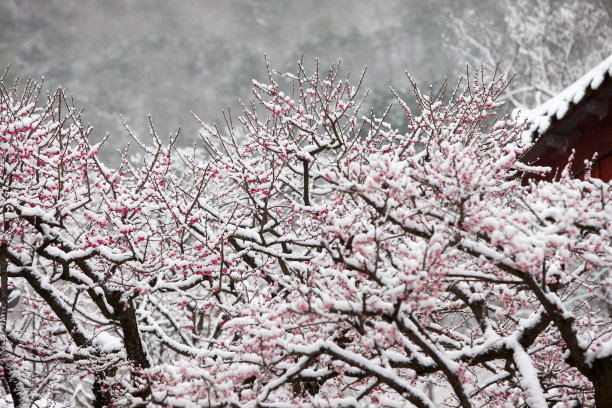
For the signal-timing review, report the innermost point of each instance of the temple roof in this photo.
(559, 105)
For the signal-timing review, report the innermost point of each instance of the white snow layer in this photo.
(6, 401)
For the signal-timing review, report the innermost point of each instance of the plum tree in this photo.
(307, 255)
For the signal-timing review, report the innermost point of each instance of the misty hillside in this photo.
(169, 58)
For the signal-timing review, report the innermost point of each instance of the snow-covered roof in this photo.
(559, 105)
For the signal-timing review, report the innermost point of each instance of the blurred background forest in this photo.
(168, 58)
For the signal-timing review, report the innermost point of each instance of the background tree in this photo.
(310, 257)
(547, 44)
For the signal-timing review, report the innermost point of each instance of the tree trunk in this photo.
(102, 396)
(134, 347)
(602, 382)
(11, 371)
